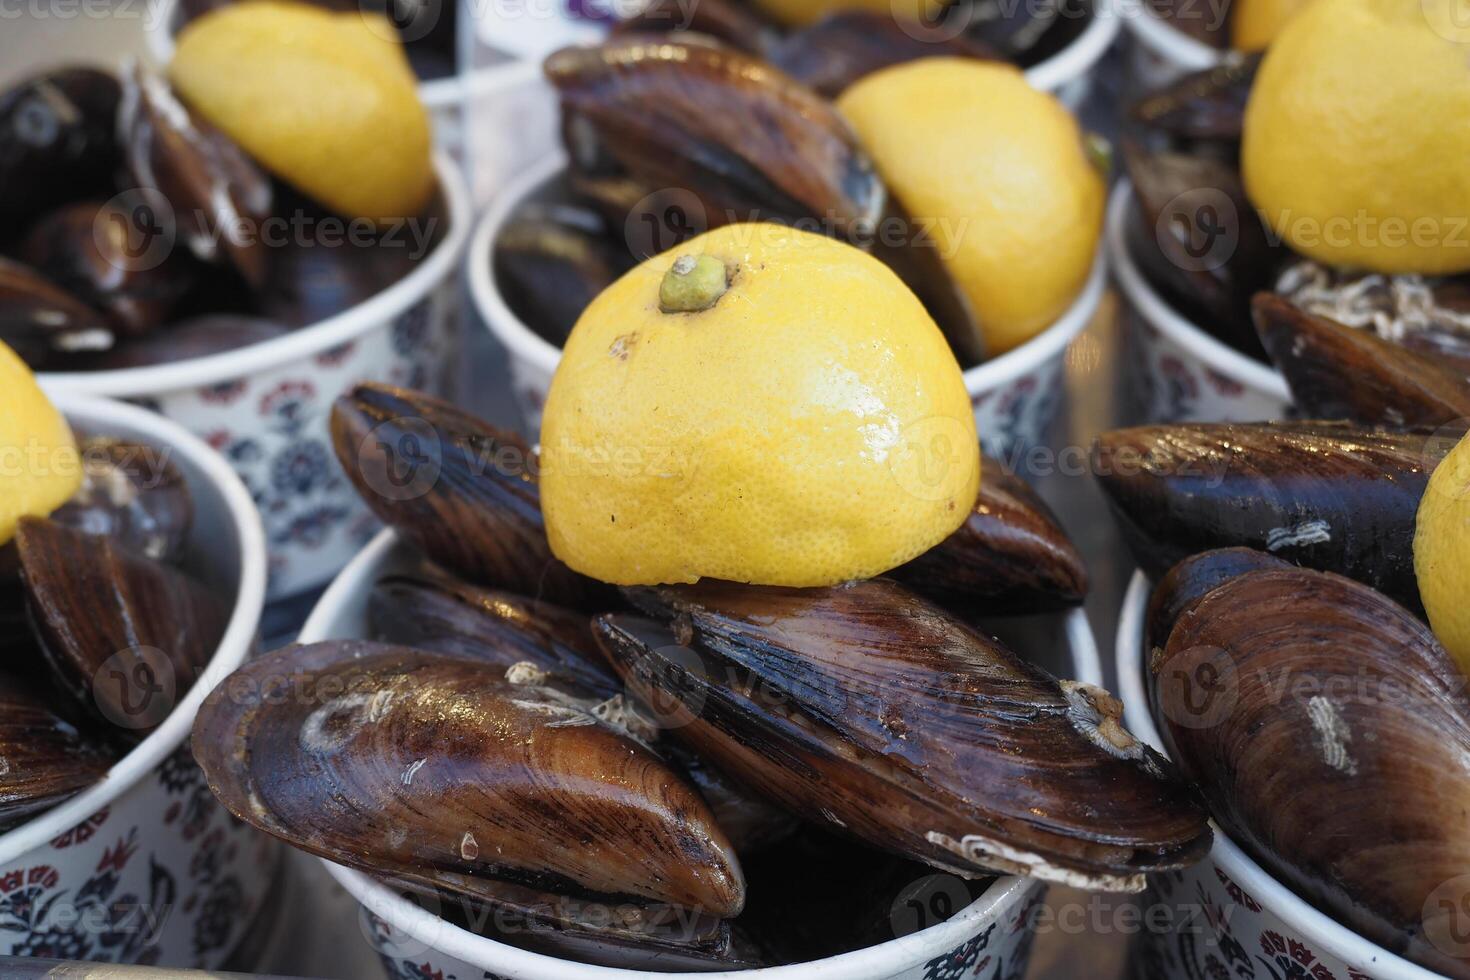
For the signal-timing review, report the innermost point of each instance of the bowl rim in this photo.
(1165, 40)
(874, 962)
(1141, 294)
(299, 344)
(236, 644)
(1275, 898)
(525, 344)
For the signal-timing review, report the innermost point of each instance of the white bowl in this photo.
(265, 406)
(1251, 918)
(1014, 396)
(1158, 52)
(1185, 374)
(150, 835)
(412, 941)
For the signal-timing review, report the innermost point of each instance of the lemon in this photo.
(1442, 552)
(997, 173)
(1355, 135)
(40, 468)
(796, 419)
(1254, 24)
(800, 13)
(326, 101)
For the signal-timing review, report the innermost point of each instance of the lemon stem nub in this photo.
(693, 283)
(1099, 153)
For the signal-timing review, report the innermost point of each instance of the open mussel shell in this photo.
(1341, 372)
(430, 770)
(1206, 105)
(57, 142)
(461, 491)
(728, 129)
(124, 634)
(113, 257)
(731, 22)
(45, 324)
(842, 47)
(45, 759)
(1336, 740)
(217, 193)
(132, 494)
(1328, 495)
(443, 615)
(869, 711)
(1010, 557)
(551, 261)
(1200, 239)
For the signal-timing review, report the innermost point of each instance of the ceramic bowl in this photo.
(1183, 373)
(1015, 396)
(265, 406)
(993, 932)
(1157, 52)
(145, 867)
(1241, 921)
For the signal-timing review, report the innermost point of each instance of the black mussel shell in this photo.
(132, 494)
(43, 323)
(219, 197)
(125, 635)
(434, 772)
(867, 710)
(183, 340)
(731, 22)
(57, 142)
(1207, 105)
(1191, 580)
(1341, 372)
(1010, 557)
(461, 491)
(44, 760)
(842, 47)
(113, 257)
(1326, 495)
(551, 261)
(444, 615)
(1330, 745)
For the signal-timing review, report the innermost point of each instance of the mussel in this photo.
(219, 197)
(125, 635)
(1010, 557)
(844, 46)
(461, 491)
(444, 778)
(44, 759)
(1207, 105)
(731, 22)
(57, 141)
(200, 336)
(1331, 697)
(1341, 372)
(45, 324)
(1191, 580)
(132, 494)
(871, 712)
(1326, 495)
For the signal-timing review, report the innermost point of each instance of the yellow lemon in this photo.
(760, 405)
(800, 13)
(1355, 135)
(40, 468)
(326, 101)
(997, 174)
(1442, 552)
(1254, 24)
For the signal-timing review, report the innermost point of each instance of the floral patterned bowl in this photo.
(1015, 396)
(1183, 373)
(265, 406)
(990, 938)
(1236, 921)
(146, 867)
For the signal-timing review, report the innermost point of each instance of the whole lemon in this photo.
(800, 13)
(1254, 24)
(1355, 135)
(40, 468)
(326, 101)
(760, 405)
(1442, 552)
(996, 175)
